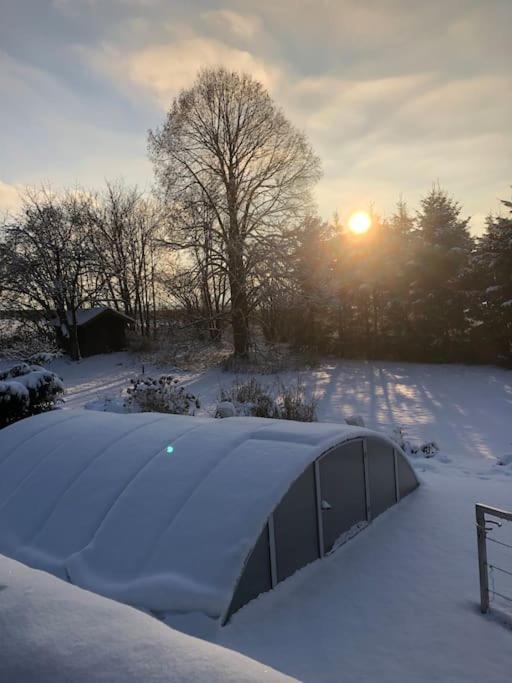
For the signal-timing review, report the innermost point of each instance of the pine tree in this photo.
(493, 264)
(401, 222)
(438, 294)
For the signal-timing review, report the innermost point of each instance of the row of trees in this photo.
(81, 249)
(414, 287)
(230, 237)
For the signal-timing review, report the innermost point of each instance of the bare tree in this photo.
(47, 260)
(192, 231)
(225, 138)
(124, 238)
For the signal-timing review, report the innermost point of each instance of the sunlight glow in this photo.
(359, 222)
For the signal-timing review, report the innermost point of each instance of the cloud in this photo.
(245, 26)
(9, 197)
(163, 70)
(392, 94)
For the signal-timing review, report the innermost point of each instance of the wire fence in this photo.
(489, 520)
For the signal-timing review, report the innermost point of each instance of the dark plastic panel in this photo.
(381, 475)
(256, 577)
(343, 489)
(406, 478)
(296, 526)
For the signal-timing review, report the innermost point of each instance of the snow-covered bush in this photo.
(225, 409)
(160, 395)
(248, 397)
(251, 398)
(44, 357)
(355, 421)
(427, 449)
(20, 339)
(270, 359)
(14, 402)
(27, 389)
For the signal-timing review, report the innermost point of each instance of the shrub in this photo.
(270, 359)
(160, 395)
(294, 405)
(251, 398)
(27, 389)
(14, 402)
(427, 449)
(43, 357)
(22, 338)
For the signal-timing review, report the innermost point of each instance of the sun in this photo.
(359, 222)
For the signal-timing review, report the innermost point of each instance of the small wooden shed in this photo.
(100, 330)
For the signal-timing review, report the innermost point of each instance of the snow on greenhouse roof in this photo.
(52, 631)
(158, 511)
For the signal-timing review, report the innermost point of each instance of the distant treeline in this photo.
(231, 244)
(414, 287)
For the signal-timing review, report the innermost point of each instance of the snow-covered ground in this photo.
(467, 410)
(400, 601)
(53, 632)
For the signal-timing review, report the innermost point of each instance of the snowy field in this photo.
(467, 410)
(400, 601)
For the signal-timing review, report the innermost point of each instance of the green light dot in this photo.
(170, 449)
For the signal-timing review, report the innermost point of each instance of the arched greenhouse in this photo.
(179, 515)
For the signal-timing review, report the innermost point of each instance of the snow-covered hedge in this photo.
(27, 389)
(160, 395)
(250, 398)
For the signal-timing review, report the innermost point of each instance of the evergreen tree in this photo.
(439, 298)
(401, 222)
(493, 265)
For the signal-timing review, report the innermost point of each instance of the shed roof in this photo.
(159, 511)
(85, 315)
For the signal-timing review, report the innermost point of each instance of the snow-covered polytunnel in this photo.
(180, 515)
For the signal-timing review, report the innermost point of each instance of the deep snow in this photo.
(53, 632)
(400, 601)
(396, 603)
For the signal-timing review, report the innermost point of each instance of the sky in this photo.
(394, 95)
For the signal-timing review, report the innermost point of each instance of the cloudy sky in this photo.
(394, 94)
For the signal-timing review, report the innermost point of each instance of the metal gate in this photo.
(487, 521)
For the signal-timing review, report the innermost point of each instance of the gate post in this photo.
(482, 559)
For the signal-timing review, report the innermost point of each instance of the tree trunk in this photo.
(239, 307)
(237, 279)
(74, 346)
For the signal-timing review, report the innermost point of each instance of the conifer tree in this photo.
(493, 265)
(439, 296)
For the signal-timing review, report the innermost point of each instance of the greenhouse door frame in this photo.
(318, 495)
(367, 491)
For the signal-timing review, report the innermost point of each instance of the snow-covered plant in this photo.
(292, 404)
(161, 394)
(428, 449)
(14, 402)
(44, 357)
(27, 389)
(251, 398)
